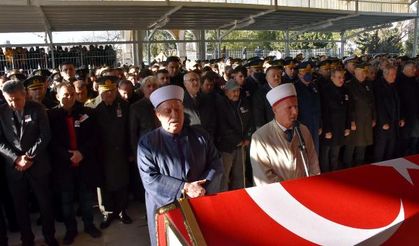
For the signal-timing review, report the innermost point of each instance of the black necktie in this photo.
(289, 134)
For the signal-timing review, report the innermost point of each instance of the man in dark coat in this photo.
(142, 120)
(175, 159)
(323, 73)
(388, 115)
(262, 110)
(255, 78)
(112, 118)
(3, 183)
(199, 108)
(142, 117)
(3, 231)
(24, 136)
(336, 120)
(162, 77)
(173, 66)
(309, 109)
(363, 117)
(408, 89)
(240, 75)
(6, 201)
(233, 134)
(289, 71)
(36, 88)
(350, 63)
(127, 93)
(73, 157)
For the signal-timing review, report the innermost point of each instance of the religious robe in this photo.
(167, 161)
(274, 159)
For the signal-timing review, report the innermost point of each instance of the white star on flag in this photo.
(401, 165)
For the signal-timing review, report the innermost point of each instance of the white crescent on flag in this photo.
(283, 208)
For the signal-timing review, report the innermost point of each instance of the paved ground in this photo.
(117, 234)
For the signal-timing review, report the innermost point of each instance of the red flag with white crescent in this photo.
(369, 205)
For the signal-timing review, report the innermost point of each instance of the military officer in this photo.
(112, 117)
(36, 88)
(363, 117)
(290, 75)
(309, 109)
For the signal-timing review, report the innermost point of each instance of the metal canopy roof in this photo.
(132, 15)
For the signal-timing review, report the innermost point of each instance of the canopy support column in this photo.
(415, 36)
(201, 45)
(342, 44)
(287, 43)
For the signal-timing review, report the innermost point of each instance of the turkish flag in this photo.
(368, 205)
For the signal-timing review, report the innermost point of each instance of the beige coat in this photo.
(274, 159)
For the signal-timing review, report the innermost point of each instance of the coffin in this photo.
(368, 205)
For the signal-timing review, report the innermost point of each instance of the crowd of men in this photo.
(213, 119)
(33, 58)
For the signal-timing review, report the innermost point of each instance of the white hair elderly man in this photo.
(274, 149)
(175, 158)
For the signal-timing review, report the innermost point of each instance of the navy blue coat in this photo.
(335, 113)
(387, 104)
(201, 113)
(234, 123)
(164, 168)
(262, 110)
(34, 139)
(408, 89)
(309, 109)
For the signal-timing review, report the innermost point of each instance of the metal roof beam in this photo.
(164, 17)
(161, 22)
(160, 25)
(368, 29)
(237, 24)
(41, 12)
(321, 24)
(47, 25)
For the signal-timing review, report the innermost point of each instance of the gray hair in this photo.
(387, 69)
(149, 80)
(12, 86)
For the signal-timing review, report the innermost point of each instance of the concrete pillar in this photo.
(181, 46)
(135, 46)
(287, 43)
(201, 51)
(342, 44)
(138, 46)
(148, 49)
(415, 35)
(51, 46)
(415, 38)
(218, 44)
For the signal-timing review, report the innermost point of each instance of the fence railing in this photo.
(236, 53)
(29, 61)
